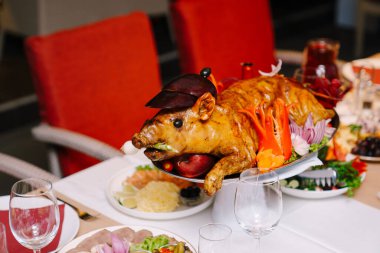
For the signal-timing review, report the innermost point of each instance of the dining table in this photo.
(337, 224)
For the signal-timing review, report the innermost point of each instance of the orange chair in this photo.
(222, 34)
(92, 83)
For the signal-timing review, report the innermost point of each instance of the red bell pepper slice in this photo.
(272, 127)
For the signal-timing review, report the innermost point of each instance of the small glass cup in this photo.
(322, 52)
(214, 238)
(3, 239)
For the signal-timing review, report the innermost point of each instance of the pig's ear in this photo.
(204, 106)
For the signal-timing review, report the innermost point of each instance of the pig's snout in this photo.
(139, 141)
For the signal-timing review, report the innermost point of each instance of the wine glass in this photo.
(33, 213)
(258, 202)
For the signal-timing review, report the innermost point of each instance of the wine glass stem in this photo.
(37, 251)
(258, 245)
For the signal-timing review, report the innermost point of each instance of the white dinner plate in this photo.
(349, 73)
(155, 232)
(115, 185)
(306, 194)
(70, 225)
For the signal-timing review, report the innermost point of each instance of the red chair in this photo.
(222, 34)
(92, 83)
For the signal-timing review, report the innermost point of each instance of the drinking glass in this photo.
(3, 239)
(322, 53)
(33, 213)
(258, 203)
(214, 238)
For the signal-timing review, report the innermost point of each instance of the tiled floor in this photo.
(15, 125)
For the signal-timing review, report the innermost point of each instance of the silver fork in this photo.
(325, 177)
(81, 214)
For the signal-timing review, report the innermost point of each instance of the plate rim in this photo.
(313, 194)
(154, 230)
(369, 158)
(73, 225)
(306, 194)
(150, 215)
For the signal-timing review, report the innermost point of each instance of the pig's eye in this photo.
(177, 123)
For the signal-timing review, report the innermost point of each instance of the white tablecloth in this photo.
(339, 224)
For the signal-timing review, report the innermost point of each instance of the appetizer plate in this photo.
(155, 231)
(305, 194)
(70, 223)
(115, 185)
(349, 73)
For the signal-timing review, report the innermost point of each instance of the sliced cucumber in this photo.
(293, 184)
(283, 182)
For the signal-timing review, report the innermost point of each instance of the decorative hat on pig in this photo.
(183, 91)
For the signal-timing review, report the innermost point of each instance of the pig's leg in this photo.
(226, 166)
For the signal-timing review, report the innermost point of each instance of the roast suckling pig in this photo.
(219, 127)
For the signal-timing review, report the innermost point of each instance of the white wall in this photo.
(45, 16)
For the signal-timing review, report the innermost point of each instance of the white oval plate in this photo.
(349, 73)
(115, 184)
(70, 223)
(369, 158)
(305, 194)
(155, 231)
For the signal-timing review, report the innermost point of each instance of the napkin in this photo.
(15, 246)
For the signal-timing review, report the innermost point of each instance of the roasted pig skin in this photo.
(217, 127)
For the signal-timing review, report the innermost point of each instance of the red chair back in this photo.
(95, 80)
(221, 34)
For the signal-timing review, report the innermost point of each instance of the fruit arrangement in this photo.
(327, 92)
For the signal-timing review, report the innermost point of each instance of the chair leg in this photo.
(54, 166)
(360, 29)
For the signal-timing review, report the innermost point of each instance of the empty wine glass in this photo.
(258, 203)
(33, 213)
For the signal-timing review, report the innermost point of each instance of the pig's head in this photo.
(173, 132)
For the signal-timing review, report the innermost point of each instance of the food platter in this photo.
(115, 184)
(307, 194)
(155, 231)
(285, 171)
(349, 74)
